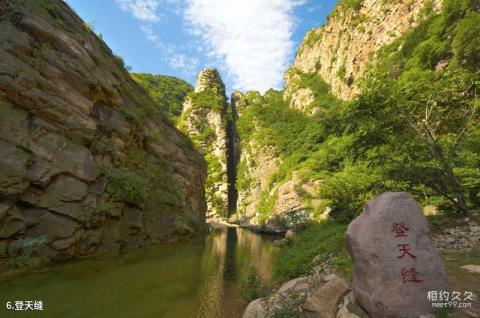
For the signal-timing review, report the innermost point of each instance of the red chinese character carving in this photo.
(399, 229)
(405, 250)
(410, 275)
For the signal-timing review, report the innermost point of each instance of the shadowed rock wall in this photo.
(89, 164)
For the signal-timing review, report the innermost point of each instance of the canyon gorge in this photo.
(97, 160)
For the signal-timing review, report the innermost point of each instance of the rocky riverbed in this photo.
(291, 298)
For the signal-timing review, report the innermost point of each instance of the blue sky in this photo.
(251, 42)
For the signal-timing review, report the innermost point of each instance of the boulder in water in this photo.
(290, 235)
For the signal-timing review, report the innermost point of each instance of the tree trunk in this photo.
(451, 179)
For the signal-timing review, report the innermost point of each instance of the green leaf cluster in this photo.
(127, 186)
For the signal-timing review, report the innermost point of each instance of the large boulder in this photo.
(395, 261)
(344, 313)
(299, 283)
(255, 309)
(323, 302)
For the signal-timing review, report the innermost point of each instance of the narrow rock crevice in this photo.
(233, 155)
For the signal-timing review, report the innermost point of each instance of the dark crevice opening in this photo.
(233, 156)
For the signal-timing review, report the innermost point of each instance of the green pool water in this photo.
(199, 278)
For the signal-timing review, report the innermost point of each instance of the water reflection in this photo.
(200, 278)
(228, 257)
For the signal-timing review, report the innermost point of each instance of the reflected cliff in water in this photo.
(226, 263)
(200, 278)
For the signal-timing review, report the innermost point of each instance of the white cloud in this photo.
(177, 61)
(183, 62)
(250, 38)
(144, 10)
(151, 36)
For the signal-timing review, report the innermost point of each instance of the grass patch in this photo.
(326, 239)
(460, 279)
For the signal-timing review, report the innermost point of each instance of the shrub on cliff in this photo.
(128, 186)
(207, 99)
(166, 91)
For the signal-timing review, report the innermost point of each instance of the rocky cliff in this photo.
(89, 163)
(257, 164)
(205, 119)
(341, 51)
(265, 198)
(281, 174)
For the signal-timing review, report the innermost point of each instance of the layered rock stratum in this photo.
(89, 164)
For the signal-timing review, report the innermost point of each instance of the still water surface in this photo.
(200, 278)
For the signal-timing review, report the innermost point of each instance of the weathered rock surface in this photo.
(291, 295)
(301, 98)
(344, 313)
(260, 164)
(300, 283)
(290, 235)
(316, 295)
(75, 130)
(323, 302)
(341, 50)
(395, 261)
(255, 309)
(349, 308)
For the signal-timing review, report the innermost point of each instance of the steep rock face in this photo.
(89, 164)
(259, 164)
(256, 166)
(287, 200)
(204, 119)
(341, 50)
(261, 198)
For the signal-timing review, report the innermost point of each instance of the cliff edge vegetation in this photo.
(167, 92)
(413, 126)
